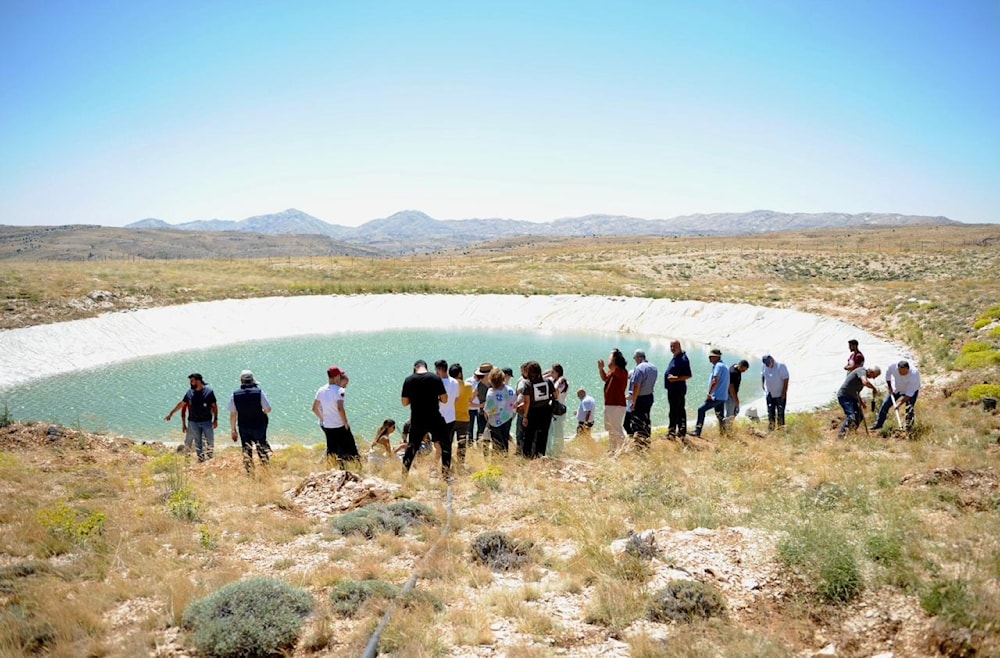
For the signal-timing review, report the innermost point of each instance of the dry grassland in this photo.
(877, 544)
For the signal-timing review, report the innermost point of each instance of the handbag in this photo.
(558, 408)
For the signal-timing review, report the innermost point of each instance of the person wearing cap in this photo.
(903, 383)
(774, 381)
(248, 412)
(424, 392)
(849, 396)
(641, 384)
(675, 381)
(477, 418)
(735, 379)
(328, 406)
(855, 359)
(202, 411)
(718, 393)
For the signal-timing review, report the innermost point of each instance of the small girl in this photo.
(381, 442)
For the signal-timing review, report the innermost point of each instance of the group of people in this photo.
(248, 417)
(902, 388)
(447, 409)
(628, 397)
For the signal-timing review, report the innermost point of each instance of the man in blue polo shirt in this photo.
(718, 392)
(641, 385)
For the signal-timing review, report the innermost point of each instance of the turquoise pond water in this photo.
(132, 398)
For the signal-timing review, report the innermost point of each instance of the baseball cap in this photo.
(335, 371)
(246, 377)
(766, 358)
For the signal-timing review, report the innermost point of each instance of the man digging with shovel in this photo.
(903, 383)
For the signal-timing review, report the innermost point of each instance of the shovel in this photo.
(899, 420)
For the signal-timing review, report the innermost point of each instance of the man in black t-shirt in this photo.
(735, 379)
(422, 391)
(202, 417)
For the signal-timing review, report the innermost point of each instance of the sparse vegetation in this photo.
(685, 601)
(255, 617)
(104, 547)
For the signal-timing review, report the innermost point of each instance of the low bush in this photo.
(498, 551)
(488, 478)
(685, 601)
(979, 391)
(644, 548)
(348, 597)
(255, 617)
(375, 519)
(70, 525)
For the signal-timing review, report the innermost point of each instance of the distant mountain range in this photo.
(411, 231)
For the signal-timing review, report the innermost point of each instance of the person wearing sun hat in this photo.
(328, 406)
(248, 413)
(774, 381)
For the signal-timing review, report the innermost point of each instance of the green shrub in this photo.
(5, 418)
(375, 519)
(977, 359)
(991, 315)
(498, 551)
(976, 346)
(348, 597)
(979, 391)
(184, 505)
(255, 617)
(67, 523)
(412, 512)
(686, 600)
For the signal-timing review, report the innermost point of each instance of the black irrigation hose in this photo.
(371, 650)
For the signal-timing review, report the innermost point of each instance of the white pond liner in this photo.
(813, 347)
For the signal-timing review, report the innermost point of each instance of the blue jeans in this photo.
(719, 406)
(852, 409)
(201, 434)
(477, 424)
(890, 400)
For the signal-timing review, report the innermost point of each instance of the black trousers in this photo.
(678, 414)
(438, 430)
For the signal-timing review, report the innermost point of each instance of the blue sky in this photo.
(111, 112)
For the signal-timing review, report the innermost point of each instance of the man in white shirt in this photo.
(774, 381)
(451, 387)
(329, 408)
(585, 413)
(903, 382)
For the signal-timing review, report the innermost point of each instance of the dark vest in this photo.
(249, 413)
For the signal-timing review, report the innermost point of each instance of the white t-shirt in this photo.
(587, 404)
(774, 379)
(328, 397)
(448, 408)
(907, 384)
